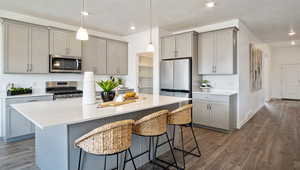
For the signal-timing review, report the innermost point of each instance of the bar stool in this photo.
(182, 117)
(109, 139)
(151, 126)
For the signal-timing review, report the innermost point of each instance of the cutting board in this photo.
(114, 104)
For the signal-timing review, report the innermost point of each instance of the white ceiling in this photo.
(270, 20)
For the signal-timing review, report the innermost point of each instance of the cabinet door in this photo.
(74, 45)
(117, 57)
(220, 115)
(206, 53)
(168, 47)
(224, 52)
(184, 45)
(16, 47)
(94, 54)
(201, 113)
(59, 40)
(39, 60)
(17, 124)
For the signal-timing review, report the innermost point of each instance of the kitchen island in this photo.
(59, 123)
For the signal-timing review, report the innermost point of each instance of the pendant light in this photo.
(150, 47)
(82, 33)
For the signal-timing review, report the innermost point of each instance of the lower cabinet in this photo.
(16, 126)
(214, 112)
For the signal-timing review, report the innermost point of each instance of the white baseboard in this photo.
(250, 115)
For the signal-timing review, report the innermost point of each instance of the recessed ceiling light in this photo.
(85, 13)
(293, 43)
(132, 27)
(210, 4)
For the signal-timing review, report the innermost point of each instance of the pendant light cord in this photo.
(150, 6)
(81, 15)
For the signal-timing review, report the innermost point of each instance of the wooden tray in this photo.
(114, 104)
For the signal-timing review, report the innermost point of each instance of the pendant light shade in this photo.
(82, 34)
(150, 47)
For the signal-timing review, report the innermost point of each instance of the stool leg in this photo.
(79, 161)
(131, 157)
(182, 147)
(124, 164)
(156, 145)
(195, 140)
(117, 161)
(171, 149)
(149, 154)
(105, 162)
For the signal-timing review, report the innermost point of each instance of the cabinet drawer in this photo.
(211, 97)
(28, 99)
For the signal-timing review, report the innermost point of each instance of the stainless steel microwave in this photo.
(65, 64)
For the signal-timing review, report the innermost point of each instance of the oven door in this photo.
(65, 64)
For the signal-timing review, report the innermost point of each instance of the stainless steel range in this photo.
(63, 89)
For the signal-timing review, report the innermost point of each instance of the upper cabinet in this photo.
(178, 46)
(64, 43)
(117, 57)
(94, 55)
(217, 52)
(26, 48)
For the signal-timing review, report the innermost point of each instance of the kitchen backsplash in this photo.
(223, 82)
(38, 82)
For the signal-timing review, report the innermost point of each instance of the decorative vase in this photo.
(108, 96)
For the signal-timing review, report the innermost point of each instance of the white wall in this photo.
(250, 102)
(282, 56)
(137, 44)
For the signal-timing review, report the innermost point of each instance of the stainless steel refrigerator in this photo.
(176, 77)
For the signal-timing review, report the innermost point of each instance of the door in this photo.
(224, 52)
(291, 81)
(182, 74)
(94, 54)
(206, 53)
(74, 45)
(59, 42)
(168, 47)
(17, 124)
(184, 45)
(219, 115)
(117, 57)
(39, 59)
(201, 113)
(16, 47)
(166, 74)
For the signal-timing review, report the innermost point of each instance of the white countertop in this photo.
(217, 92)
(4, 96)
(69, 111)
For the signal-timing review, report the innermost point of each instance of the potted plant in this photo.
(107, 86)
(205, 86)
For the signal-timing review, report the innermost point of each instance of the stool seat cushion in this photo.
(181, 116)
(107, 139)
(152, 125)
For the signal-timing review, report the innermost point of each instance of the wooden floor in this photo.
(269, 141)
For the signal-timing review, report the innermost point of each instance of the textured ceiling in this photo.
(270, 20)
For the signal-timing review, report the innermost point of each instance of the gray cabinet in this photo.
(117, 57)
(16, 126)
(39, 50)
(178, 46)
(217, 52)
(94, 55)
(64, 43)
(26, 48)
(214, 111)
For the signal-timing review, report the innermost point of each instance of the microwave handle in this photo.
(77, 63)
